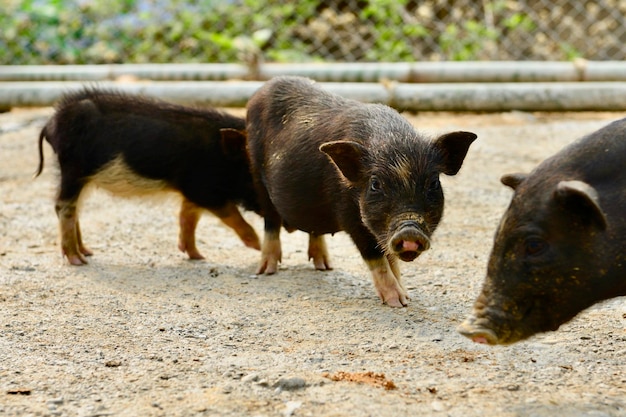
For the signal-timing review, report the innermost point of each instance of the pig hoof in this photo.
(77, 260)
(85, 251)
(394, 297)
(322, 264)
(395, 303)
(192, 252)
(252, 243)
(270, 257)
(396, 300)
(267, 268)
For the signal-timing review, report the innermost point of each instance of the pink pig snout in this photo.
(408, 242)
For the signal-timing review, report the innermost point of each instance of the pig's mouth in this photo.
(477, 330)
(409, 241)
(500, 328)
(408, 256)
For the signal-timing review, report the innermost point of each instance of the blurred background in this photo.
(37, 32)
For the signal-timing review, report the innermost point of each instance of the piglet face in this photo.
(401, 203)
(397, 183)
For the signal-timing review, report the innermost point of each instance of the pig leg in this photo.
(232, 218)
(68, 226)
(319, 253)
(385, 271)
(66, 207)
(387, 285)
(395, 268)
(229, 215)
(188, 220)
(81, 246)
(271, 253)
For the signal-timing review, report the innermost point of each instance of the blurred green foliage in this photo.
(139, 31)
(116, 31)
(209, 31)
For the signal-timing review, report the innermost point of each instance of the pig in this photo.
(561, 244)
(132, 145)
(323, 164)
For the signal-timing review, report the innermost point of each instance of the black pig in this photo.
(133, 146)
(323, 164)
(561, 245)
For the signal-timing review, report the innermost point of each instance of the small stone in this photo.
(250, 378)
(291, 407)
(56, 401)
(290, 384)
(113, 363)
(437, 406)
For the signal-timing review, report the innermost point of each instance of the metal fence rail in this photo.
(210, 31)
(535, 96)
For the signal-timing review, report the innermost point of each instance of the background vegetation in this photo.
(184, 31)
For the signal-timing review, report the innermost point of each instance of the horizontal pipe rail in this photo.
(407, 72)
(490, 97)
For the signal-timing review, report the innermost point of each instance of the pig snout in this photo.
(408, 242)
(478, 330)
(501, 321)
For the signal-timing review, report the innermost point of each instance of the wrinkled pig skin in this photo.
(135, 146)
(561, 244)
(324, 164)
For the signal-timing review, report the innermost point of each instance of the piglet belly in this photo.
(117, 178)
(311, 219)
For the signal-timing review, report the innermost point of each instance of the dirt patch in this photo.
(370, 378)
(143, 331)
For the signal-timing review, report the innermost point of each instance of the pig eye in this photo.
(375, 185)
(535, 246)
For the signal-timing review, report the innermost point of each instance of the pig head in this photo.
(560, 246)
(400, 199)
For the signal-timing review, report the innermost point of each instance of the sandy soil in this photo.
(143, 331)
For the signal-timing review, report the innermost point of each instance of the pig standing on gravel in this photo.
(322, 164)
(134, 146)
(561, 245)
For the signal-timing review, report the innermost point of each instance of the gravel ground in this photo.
(143, 331)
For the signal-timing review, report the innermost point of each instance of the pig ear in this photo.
(581, 198)
(513, 180)
(348, 156)
(233, 141)
(453, 147)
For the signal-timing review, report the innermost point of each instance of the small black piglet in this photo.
(132, 145)
(322, 164)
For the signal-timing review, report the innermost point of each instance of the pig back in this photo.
(94, 130)
(288, 120)
(597, 159)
